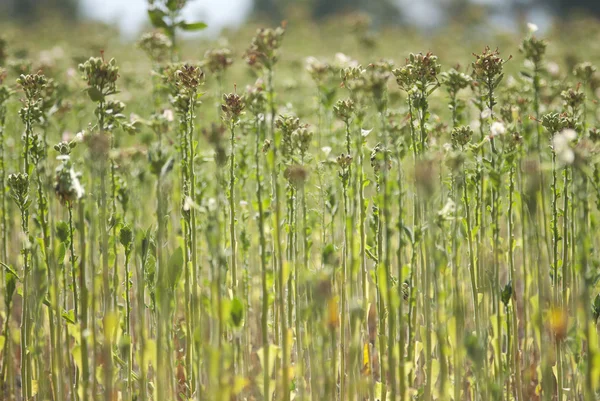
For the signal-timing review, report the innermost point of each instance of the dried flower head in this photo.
(101, 77)
(65, 148)
(256, 98)
(420, 70)
(533, 49)
(319, 70)
(353, 78)
(33, 85)
(488, 66)
(344, 109)
(19, 189)
(262, 52)
(573, 98)
(554, 122)
(461, 136)
(302, 139)
(296, 174)
(67, 186)
(232, 107)
(188, 78)
(218, 61)
(585, 71)
(156, 45)
(455, 81)
(377, 77)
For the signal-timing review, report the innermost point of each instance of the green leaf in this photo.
(10, 270)
(62, 231)
(192, 27)
(95, 94)
(175, 267)
(60, 253)
(236, 312)
(172, 5)
(10, 283)
(157, 16)
(69, 316)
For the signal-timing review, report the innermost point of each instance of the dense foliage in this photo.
(322, 230)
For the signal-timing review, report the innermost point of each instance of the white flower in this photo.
(168, 115)
(561, 143)
(326, 150)
(76, 185)
(80, 136)
(553, 68)
(486, 113)
(532, 27)
(342, 61)
(448, 210)
(497, 128)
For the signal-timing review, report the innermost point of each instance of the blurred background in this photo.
(129, 16)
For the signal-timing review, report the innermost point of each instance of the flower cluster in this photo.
(156, 45)
(487, 66)
(344, 109)
(256, 98)
(101, 77)
(67, 186)
(262, 52)
(218, 61)
(533, 49)
(232, 107)
(461, 136)
(19, 189)
(455, 81)
(421, 70)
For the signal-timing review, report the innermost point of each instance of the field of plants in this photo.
(303, 212)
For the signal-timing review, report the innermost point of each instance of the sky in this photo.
(130, 15)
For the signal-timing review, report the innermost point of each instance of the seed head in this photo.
(420, 70)
(344, 109)
(461, 136)
(573, 98)
(296, 174)
(353, 78)
(156, 45)
(19, 189)
(585, 71)
(488, 66)
(262, 52)
(188, 78)
(67, 187)
(533, 49)
(302, 139)
(33, 85)
(218, 60)
(344, 161)
(232, 107)
(455, 81)
(256, 99)
(318, 70)
(101, 76)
